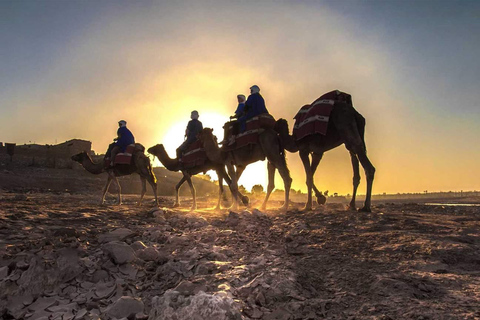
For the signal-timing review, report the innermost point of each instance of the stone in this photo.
(187, 288)
(126, 307)
(119, 252)
(116, 235)
(42, 304)
(99, 275)
(170, 306)
(149, 254)
(138, 245)
(3, 272)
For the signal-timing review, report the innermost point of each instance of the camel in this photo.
(175, 165)
(346, 126)
(268, 147)
(140, 164)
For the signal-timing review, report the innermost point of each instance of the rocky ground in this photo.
(62, 256)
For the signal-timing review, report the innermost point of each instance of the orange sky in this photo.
(152, 64)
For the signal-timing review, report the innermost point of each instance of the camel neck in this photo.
(92, 167)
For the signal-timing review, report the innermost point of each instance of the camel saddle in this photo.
(126, 157)
(313, 118)
(194, 156)
(253, 128)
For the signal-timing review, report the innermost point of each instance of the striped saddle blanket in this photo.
(313, 118)
(253, 128)
(194, 156)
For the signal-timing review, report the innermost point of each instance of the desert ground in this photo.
(64, 256)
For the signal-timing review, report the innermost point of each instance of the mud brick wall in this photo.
(51, 156)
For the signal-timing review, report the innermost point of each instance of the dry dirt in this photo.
(65, 257)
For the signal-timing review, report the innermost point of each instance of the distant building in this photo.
(51, 156)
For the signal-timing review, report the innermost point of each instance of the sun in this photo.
(174, 137)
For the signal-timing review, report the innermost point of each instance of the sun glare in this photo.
(254, 174)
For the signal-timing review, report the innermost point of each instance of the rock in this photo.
(65, 232)
(99, 275)
(138, 245)
(233, 219)
(257, 213)
(170, 306)
(149, 254)
(120, 252)
(159, 216)
(42, 303)
(187, 288)
(3, 272)
(116, 235)
(126, 307)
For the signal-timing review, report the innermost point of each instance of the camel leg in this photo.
(177, 188)
(316, 158)
(105, 189)
(245, 199)
(304, 155)
(220, 190)
(192, 189)
(287, 182)
(370, 174)
(233, 185)
(271, 183)
(144, 189)
(119, 190)
(356, 179)
(154, 188)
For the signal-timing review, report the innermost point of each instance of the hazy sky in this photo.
(72, 69)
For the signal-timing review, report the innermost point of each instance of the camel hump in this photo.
(139, 148)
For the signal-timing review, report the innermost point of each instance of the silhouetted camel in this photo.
(345, 126)
(268, 146)
(175, 165)
(140, 164)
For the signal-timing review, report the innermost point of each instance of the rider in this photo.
(240, 107)
(254, 106)
(193, 128)
(123, 139)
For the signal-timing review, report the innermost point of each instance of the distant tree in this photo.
(242, 189)
(257, 189)
(292, 191)
(335, 194)
(325, 193)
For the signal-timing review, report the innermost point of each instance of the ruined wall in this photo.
(51, 156)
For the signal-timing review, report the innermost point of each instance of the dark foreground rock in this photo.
(65, 257)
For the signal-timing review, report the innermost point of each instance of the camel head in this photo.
(80, 157)
(206, 135)
(156, 149)
(281, 126)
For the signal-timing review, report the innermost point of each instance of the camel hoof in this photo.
(245, 200)
(193, 208)
(263, 208)
(176, 205)
(284, 207)
(365, 209)
(351, 208)
(321, 199)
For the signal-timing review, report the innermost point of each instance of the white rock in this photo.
(199, 306)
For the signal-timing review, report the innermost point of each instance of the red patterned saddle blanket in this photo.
(194, 156)
(122, 157)
(253, 128)
(313, 118)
